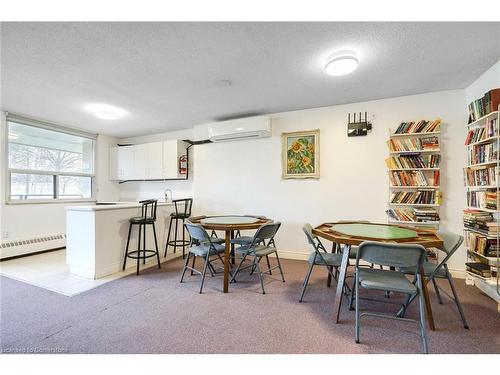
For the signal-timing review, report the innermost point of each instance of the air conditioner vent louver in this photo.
(240, 129)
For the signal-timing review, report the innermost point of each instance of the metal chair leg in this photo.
(168, 237)
(156, 246)
(126, 249)
(279, 266)
(356, 282)
(204, 272)
(144, 245)
(306, 281)
(260, 277)
(268, 265)
(421, 308)
(438, 295)
(192, 266)
(457, 301)
(185, 266)
(183, 240)
(352, 294)
(238, 268)
(138, 251)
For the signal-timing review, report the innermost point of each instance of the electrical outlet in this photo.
(5, 235)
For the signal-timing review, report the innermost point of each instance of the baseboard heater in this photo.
(32, 245)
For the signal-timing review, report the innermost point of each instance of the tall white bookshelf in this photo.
(489, 285)
(426, 170)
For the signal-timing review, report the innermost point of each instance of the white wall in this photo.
(245, 177)
(487, 81)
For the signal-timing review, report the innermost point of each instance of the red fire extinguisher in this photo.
(183, 164)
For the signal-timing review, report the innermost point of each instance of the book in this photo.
(483, 106)
(421, 126)
(414, 144)
(478, 268)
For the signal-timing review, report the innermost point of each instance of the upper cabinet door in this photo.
(141, 162)
(154, 168)
(170, 159)
(126, 163)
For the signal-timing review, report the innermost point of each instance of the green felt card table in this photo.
(346, 234)
(229, 224)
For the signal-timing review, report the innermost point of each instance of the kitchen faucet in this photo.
(166, 195)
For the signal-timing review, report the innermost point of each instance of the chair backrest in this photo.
(265, 232)
(391, 255)
(149, 205)
(188, 204)
(451, 243)
(307, 228)
(197, 232)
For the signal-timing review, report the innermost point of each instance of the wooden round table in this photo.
(353, 233)
(229, 224)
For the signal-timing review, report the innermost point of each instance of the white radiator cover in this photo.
(33, 245)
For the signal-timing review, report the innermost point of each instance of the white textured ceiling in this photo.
(172, 75)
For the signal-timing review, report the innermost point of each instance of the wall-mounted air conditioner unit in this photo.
(240, 129)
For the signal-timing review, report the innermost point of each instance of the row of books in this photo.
(481, 133)
(414, 178)
(418, 215)
(416, 197)
(414, 144)
(421, 126)
(480, 244)
(482, 199)
(413, 161)
(484, 176)
(483, 153)
(480, 221)
(485, 105)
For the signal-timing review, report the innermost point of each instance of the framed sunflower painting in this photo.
(300, 154)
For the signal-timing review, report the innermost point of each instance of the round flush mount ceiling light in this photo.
(106, 111)
(341, 64)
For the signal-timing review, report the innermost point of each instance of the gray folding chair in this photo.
(432, 271)
(319, 257)
(257, 252)
(390, 255)
(201, 246)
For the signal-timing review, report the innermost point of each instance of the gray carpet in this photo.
(154, 313)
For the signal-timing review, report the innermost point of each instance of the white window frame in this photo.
(57, 128)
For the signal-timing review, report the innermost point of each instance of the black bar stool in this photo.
(142, 221)
(177, 215)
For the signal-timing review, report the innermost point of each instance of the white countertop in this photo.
(116, 206)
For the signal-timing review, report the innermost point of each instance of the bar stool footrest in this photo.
(179, 243)
(151, 253)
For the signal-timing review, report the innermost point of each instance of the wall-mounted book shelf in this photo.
(414, 173)
(482, 213)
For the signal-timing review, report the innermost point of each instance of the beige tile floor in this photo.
(50, 271)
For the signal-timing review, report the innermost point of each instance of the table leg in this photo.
(428, 308)
(227, 253)
(340, 282)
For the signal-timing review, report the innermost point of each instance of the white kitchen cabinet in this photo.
(121, 160)
(125, 162)
(148, 161)
(172, 151)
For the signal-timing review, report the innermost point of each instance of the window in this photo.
(48, 163)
